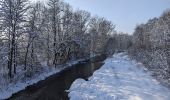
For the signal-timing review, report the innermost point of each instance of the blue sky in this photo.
(125, 14)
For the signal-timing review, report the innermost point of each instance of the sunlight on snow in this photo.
(119, 79)
(135, 98)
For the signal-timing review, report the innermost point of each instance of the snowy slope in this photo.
(119, 79)
(12, 88)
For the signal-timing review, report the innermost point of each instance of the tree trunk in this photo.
(55, 37)
(12, 53)
(15, 59)
(48, 47)
(26, 55)
(32, 54)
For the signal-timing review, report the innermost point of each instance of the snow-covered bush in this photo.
(151, 46)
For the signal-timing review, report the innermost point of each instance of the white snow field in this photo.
(120, 78)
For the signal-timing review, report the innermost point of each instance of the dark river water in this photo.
(53, 88)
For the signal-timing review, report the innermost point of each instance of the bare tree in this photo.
(13, 12)
(55, 20)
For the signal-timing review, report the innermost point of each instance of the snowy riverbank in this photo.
(14, 87)
(119, 79)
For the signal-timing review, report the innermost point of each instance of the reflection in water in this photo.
(54, 87)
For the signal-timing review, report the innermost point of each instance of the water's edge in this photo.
(35, 88)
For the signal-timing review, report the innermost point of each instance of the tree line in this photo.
(33, 33)
(151, 45)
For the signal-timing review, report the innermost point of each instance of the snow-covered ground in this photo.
(120, 78)
(14, 87)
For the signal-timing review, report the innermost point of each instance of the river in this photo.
(54, 87)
